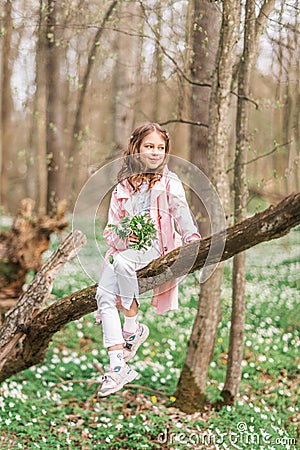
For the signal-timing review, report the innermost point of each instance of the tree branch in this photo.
(264, 155)
(263, 17)
(189, 122)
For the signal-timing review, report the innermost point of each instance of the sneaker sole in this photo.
(132, 376)
(133, 352)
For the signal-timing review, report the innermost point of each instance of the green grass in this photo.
(53, 405)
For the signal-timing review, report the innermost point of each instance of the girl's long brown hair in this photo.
(132, 169)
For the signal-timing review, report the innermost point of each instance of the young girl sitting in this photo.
(145, 185)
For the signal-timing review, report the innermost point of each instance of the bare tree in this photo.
(285, 46)
(157, 70)
(234, 367)
(125, 74)
(291, 106)
(6, 101)
(204, 30)
(191, 387)
(37, 179)
(55, 108)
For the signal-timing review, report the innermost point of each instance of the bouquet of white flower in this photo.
(141, 225)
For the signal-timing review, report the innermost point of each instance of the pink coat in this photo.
(167, 204)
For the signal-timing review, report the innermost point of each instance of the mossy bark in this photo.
(189, 397)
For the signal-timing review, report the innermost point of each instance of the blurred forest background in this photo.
(78, 76)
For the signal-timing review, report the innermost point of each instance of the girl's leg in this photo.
(120, 373)
(131, 321)
(126, 264)
(131, 324)
(120, 279)
(112, 329)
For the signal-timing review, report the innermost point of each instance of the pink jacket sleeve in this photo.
(115, 214)
(180, 211)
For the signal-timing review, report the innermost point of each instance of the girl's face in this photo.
(152, 150)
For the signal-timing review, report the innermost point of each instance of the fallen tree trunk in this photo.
(271, 223)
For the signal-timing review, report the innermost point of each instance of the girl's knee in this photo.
(99, 293)
(104, 299)
(122, 264)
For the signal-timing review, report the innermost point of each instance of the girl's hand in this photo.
(132, 239)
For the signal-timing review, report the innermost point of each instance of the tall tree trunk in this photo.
(139, 84)
(191, 387)
(205, 27)
(37, 166)
(6, 103)
(297, 101)
(157, 68)
(234, 364)
(55, 110)
(291, 114)
(279, 94)
(127, 51)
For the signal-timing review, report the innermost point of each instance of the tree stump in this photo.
(21, 249)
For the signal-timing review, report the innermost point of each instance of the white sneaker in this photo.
(115, 379)
(134, 341)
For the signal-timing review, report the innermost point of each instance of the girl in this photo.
(145, 185)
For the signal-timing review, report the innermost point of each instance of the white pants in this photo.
(119, 278)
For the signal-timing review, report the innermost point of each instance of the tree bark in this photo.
(297, 101)
(205, 28)
(291, 109)
(157, 71)
(124, 83)
(55, 109)
(235, 355)
(205, 25)
(269, 224)
(37, 179)
(200, 350)
(260, 23)
(6, 103)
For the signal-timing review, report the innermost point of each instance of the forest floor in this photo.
(54, 405)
